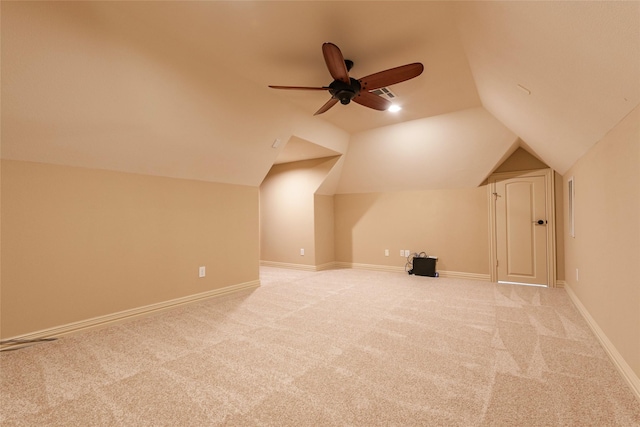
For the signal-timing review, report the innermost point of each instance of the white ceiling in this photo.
(180, 88)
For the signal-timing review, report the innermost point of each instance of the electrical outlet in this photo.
(302, 252)
(201, 272)
(386, 252)
(401, 252)
(407, 252)
(577, 277)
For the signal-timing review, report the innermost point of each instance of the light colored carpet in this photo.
(340, 347)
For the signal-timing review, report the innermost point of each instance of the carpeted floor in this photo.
(334, 348)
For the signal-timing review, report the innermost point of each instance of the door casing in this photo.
(550, 214)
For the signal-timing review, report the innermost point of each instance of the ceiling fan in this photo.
(346, 89)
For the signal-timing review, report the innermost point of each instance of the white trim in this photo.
(463, 275)
(288, 265)
(394, 269)
(326, 266)
(571, 198)
(120, 316)
(561, 284)
(504, 282)
(493, 241)
(305, 267)
(623, 367)
(373, 267)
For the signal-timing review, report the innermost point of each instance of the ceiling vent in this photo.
(385, 92)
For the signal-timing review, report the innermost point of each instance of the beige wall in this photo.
(440, 222)
(449, 224)
(81, 243)
(324, 229)
(287, 212)
(606, 247)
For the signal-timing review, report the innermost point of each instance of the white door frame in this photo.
(550, 203)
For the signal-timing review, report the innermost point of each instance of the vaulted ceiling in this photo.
(180, 88)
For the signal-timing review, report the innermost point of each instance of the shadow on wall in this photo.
(450, 224)
(288, 213)
(349, 210)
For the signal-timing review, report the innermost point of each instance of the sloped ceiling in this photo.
(180, 88)
(580, 61)
(82, 87)
(445, 151)
(298, 149)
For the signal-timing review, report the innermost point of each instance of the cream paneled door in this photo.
(521, 229)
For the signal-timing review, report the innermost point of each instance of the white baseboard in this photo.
(623, 367)
(373, 267)
(326, 266)
(449, 274)
(561, 284)
(121, 316)
(462, 275)
(305, 267)
(288, 265)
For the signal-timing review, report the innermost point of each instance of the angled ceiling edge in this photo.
(297, 149)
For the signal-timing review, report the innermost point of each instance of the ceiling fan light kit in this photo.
(345, 89)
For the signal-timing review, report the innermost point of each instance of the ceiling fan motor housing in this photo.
(344, 92)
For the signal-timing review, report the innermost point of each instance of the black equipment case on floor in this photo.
(424, 266)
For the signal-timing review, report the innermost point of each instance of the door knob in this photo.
(540, 222)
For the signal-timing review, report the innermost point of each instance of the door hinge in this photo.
(497, 262)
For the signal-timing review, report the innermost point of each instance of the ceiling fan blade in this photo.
(391, 76)
(372, 100)
(330, 103)
(299, 87)
(335, 62)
